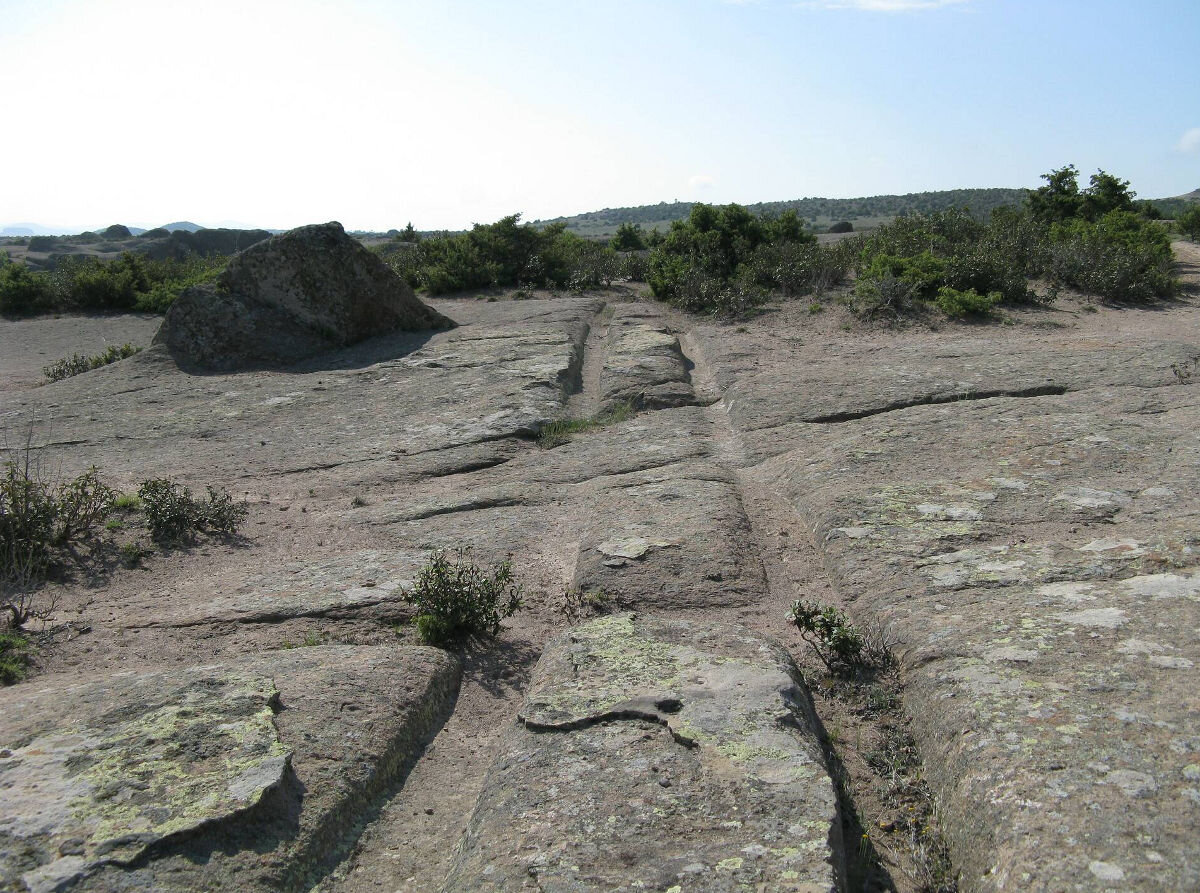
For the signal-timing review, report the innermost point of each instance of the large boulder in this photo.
(291, 297)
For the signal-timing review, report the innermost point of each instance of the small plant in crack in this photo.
(458, 601)
(839, 644)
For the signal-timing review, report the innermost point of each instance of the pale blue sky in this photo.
(282, 112)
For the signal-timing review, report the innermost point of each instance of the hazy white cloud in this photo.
(884, 5)
(1190, 141)
(701, 181)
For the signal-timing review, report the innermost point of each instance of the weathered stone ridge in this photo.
(291, 297)
(657, 754)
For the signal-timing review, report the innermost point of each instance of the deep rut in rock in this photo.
(410, 842)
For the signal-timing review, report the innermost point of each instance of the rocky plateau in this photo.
(1012, 508)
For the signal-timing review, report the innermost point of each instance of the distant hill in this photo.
(185, 225)
(819, 212)
(1176, 205)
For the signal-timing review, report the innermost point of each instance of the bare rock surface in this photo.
(657, 754)
(291, 297)
(1012, 505)
(254, 765)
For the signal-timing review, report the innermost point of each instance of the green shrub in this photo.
(78, 363)
(1120, 256)
(174, 515)
(456, 601)
(131, 282)
(842, 226)
(831, 635)
(1189, 223)
(38, 518)
(23, 293)
(629, 237)
(957, 304)
(714, 261)
(14, 657)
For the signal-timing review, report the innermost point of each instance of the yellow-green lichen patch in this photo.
(172, 754)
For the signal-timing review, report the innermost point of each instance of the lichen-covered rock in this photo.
(657, 754)
(96, 773)
(293, 296)
(243, 775)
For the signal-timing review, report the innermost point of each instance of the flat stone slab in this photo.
(261, 765)
(657, 755)
(669, 538)
(643, 363)
(797, 385)
(369, 583)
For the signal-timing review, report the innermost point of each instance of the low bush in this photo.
(23, 293)
(174, 515)
(457, 601)
(506, 253)
(1120, 256)
(796, 268)
(957, 304)
(697, 265)
(886, 294)
(77, 364)
(1088, 239)
(40, 518)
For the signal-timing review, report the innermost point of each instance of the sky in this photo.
(277, 113)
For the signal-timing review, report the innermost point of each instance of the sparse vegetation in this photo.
(457, 601)
(559, 432)
(174, 515)
(77, 364)
(579, 604)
